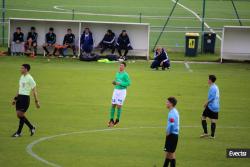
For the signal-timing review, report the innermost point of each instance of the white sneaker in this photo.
(204, 135)
(16, 135)
(211, 137)
(32, 131)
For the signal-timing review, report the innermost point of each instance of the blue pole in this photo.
(3, 20)
(202, 24)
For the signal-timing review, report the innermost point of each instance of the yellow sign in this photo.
(191, 43)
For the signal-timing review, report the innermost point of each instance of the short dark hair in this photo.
(212, 78)
(69, 29)
(172, 100)
(32, 28)
(51, 29)
(124, 64)
(18, 28)
(26, 66)
(109, 31)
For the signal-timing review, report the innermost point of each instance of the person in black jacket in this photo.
(31, 43)
(17, 46)
(108, 42)
(123, 43)
(50, 41)
(68, 42)
(161, 59)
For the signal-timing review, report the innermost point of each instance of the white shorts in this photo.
(119, 96)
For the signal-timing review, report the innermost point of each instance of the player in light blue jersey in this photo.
(172, 132)
(212, 107)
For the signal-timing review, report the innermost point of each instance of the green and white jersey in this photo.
(26, 84)
(123, 79)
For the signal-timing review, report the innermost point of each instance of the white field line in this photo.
(188, 67)
(198, 17)
(67, 11)
(37, 157)
(34, 155)
(196, 62)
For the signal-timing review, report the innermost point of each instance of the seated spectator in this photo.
(123, 43)
(160, 59)
(31, 43)
(50, 41)
(17, 46)
(68, 42)
(108, 42)
(87, 42)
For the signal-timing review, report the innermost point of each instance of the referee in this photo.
(22, 99)
(172, 132)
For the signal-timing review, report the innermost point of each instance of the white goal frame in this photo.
(235, 43)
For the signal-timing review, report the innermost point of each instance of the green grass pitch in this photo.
(75, 97)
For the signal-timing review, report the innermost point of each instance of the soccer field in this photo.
(218, 14)
(75, 101)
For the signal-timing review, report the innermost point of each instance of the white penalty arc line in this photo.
(188, 67)
(104, 14)
(198, 17)
(68, 11)
(29, 148)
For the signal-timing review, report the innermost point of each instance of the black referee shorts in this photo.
(210, 114)
(22, 103)
(171, 143)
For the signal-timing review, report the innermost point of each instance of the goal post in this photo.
(138, 32)
(235, 44)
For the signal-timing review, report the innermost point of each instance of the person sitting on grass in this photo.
(50, 41)
(31, 43)
(68, 42)
(160, 59)
(87, 42)
(18, 42)
(123, 43)
(108, 42)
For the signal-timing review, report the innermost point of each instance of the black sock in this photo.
(172, 163)
(213, 127)
(46, 50)
(204, 125)
(125, 53)
(166, 162)
(21, 122)
(26, 121)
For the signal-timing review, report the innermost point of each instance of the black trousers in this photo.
(126, 49)
(156, 64)
(108, 46)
